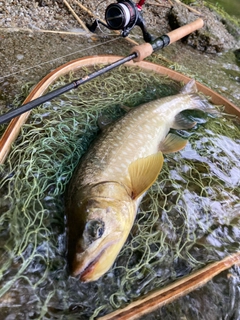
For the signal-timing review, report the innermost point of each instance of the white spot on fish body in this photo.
(130, 147)
(154, 120)
(147, 127)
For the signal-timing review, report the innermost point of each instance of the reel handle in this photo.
(146, 49)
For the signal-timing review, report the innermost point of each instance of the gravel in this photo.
(39, 14)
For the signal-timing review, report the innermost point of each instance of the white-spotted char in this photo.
(113, 176)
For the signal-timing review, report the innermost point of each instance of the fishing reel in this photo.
(124, 15)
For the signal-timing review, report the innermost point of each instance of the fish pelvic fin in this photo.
(143, 172)
(172, 143)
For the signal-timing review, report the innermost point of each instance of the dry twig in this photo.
(189, 8)
(76, 16)
(158, 5)
(16, 29)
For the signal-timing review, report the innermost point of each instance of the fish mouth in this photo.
(84, 275)
(86, 269)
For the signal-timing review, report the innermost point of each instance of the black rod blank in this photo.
(53, 94)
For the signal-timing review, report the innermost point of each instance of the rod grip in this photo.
(183, 31)
(144, 50)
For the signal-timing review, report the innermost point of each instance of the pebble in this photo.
(20, 56)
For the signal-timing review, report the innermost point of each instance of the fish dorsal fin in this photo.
(172, 143)
(143, 173)
(190, 87)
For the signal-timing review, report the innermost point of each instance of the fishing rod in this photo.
(138, 53)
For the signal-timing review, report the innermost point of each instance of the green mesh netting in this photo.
(188, 218)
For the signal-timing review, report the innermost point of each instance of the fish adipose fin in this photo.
(172, 143)
(190, 87)
(143, 173)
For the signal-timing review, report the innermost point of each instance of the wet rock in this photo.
(212, 38)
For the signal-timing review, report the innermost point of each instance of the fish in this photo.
(112, 177)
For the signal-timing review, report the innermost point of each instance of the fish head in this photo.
(100, 237)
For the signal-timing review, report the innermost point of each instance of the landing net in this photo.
(189, 217)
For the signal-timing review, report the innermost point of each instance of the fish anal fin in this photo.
(125, 108)
(172, 143)
(104, 122)
(181, 121)
(143, 172)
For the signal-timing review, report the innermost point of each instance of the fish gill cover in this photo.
(188, 218)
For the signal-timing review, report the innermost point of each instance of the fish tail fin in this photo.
(202, 103)
(199, 101)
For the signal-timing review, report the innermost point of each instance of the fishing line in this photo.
(55, 59)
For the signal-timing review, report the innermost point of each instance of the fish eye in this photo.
(95, 229)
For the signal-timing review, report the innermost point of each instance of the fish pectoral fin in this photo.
(181, 121)
(172, 143)
(143, 173)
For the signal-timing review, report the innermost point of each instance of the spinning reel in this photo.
(124, 15)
